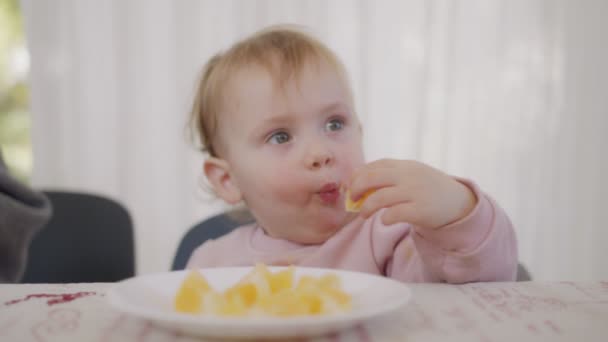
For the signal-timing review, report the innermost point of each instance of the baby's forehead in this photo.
(270, 72)
(278, 79)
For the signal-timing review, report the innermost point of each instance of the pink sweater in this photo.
(479, 247)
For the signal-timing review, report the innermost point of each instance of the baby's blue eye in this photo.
(279, 138)
(334, 125)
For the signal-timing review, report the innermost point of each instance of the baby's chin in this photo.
(313, 228)
(315, 238)
(327, 227)
(338, 217)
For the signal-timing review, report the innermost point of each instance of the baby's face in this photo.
(291, 148)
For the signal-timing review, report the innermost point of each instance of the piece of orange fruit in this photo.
(355, 206)
(263, 292)
(281, 280)
(244, 293)
(189, 298)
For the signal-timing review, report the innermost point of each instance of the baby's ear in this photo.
(218, 173)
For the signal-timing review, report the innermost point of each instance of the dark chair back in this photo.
(211, 228)
(522, 273)
(89, 238)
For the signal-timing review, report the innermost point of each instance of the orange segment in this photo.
(324, 294)
(313, 302)
(329, 281)
(189, 298)
(306, 283)
(259, 277)
(342, 299)
(283, 304)
(282, 280)
(353, 206)
(236, 302)
(262, 292)
(244, 293)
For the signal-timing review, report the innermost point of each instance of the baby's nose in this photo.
(320, 158)
(321, 162)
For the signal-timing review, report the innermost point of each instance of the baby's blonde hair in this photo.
(283, 51)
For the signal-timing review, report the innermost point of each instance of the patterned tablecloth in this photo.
(484, 312)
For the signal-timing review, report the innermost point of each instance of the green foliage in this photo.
(14, 94)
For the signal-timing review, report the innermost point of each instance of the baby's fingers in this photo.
(403, 212)
(382, 198)
(366, 179)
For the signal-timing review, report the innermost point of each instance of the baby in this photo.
(275, 115)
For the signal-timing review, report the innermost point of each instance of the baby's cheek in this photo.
(349, 166)
(286, 186)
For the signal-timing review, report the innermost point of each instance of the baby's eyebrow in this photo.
(275, 120)
(271, 121)
(333, 106)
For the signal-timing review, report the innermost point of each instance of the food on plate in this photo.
(189, 298)
(264, 293)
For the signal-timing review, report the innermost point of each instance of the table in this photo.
(481, 312)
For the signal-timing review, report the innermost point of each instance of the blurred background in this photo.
(94, 96)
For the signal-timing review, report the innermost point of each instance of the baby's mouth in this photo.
(329, 193)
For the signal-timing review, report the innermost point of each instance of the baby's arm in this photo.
(479, 247)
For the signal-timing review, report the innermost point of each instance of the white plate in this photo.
(151, 297)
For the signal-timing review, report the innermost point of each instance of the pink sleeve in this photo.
(479, 247)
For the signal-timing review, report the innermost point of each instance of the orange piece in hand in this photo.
(355, 206)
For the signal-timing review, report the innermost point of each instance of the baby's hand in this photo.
(413, 192)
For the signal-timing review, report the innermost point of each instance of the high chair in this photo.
(89, 238)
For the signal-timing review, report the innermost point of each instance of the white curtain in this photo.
(510, 93)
